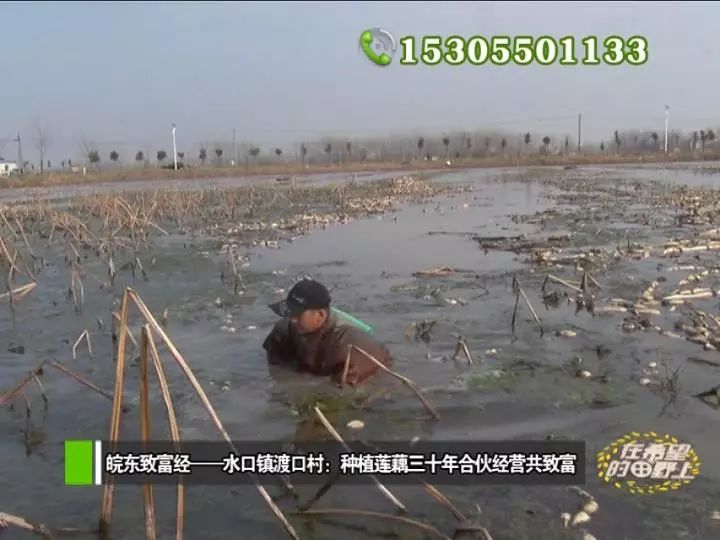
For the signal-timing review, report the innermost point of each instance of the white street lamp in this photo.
(667, 119)
(174, 147)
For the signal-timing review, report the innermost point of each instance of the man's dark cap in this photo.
(305, 294)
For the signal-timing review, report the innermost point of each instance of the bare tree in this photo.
(546, 144)
(420, 145)
(139, 156)
(618, 141)
(161, 155)
(89, 151)
(303, 153)
(503, 144)
(219, 153)
(446, 142)
(703, 138)
(278, 152)
(468, 145)
(567, 143)
(527, 140)
(348, 146)
(254, 152)
(202, 155)
(328, 149)
(654, 136)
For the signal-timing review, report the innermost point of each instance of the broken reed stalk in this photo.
(33, 376)
(385, 491)
(28, 405)
(401, 378)
(30, 272)
(7, 396)
(75, 251)
(116, 317)
(10, 227)
(112, 272)
(85, 335)
(593, 281)
(9, 286)
(145, 430)
(139, 264)
(42, 390)
(27, 244)
(346, 368)
(80, 379)
(174, 430)
(77, 279)
(563, 282)
(462, 346)
(4, 250)
(466, 351)
(72, 290)
(444, 501)
(19, 292)
(236, 275)
(379, 515)
(320, 492)
(108, 487)
(155, 226)
(519, 289)
(515, 309)
(130, 293)
(22, 523)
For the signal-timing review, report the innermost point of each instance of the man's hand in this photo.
(352, 378)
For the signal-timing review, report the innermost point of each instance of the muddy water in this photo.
(521, 386)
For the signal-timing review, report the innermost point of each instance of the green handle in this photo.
(353, 320)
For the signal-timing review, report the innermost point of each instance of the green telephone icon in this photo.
(366, 42)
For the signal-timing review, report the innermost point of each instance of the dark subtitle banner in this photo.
(441, 463)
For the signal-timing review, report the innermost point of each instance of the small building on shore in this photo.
(7, 167)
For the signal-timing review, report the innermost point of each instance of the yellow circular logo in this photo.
(647, 463)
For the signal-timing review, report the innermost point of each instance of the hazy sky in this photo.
(120, 73)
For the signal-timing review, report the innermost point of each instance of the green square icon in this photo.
(78, 463)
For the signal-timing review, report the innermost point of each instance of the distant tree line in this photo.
(448, 146)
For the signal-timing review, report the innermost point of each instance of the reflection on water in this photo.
(401, 243)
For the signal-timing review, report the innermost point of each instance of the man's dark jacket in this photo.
(325, 351)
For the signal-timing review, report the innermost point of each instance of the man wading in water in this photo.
(312, 339)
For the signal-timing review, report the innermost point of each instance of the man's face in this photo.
(309, 320)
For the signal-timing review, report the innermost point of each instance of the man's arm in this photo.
(279, 345)
(361, 367)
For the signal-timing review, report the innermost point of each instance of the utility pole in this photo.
(579, 132)
(235, 160)
(667, 119)
(20, 159)
(174, 147)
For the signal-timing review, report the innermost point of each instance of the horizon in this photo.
(285, 73)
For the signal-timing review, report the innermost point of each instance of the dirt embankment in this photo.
(56, 178)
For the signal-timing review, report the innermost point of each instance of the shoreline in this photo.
(62, 178)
